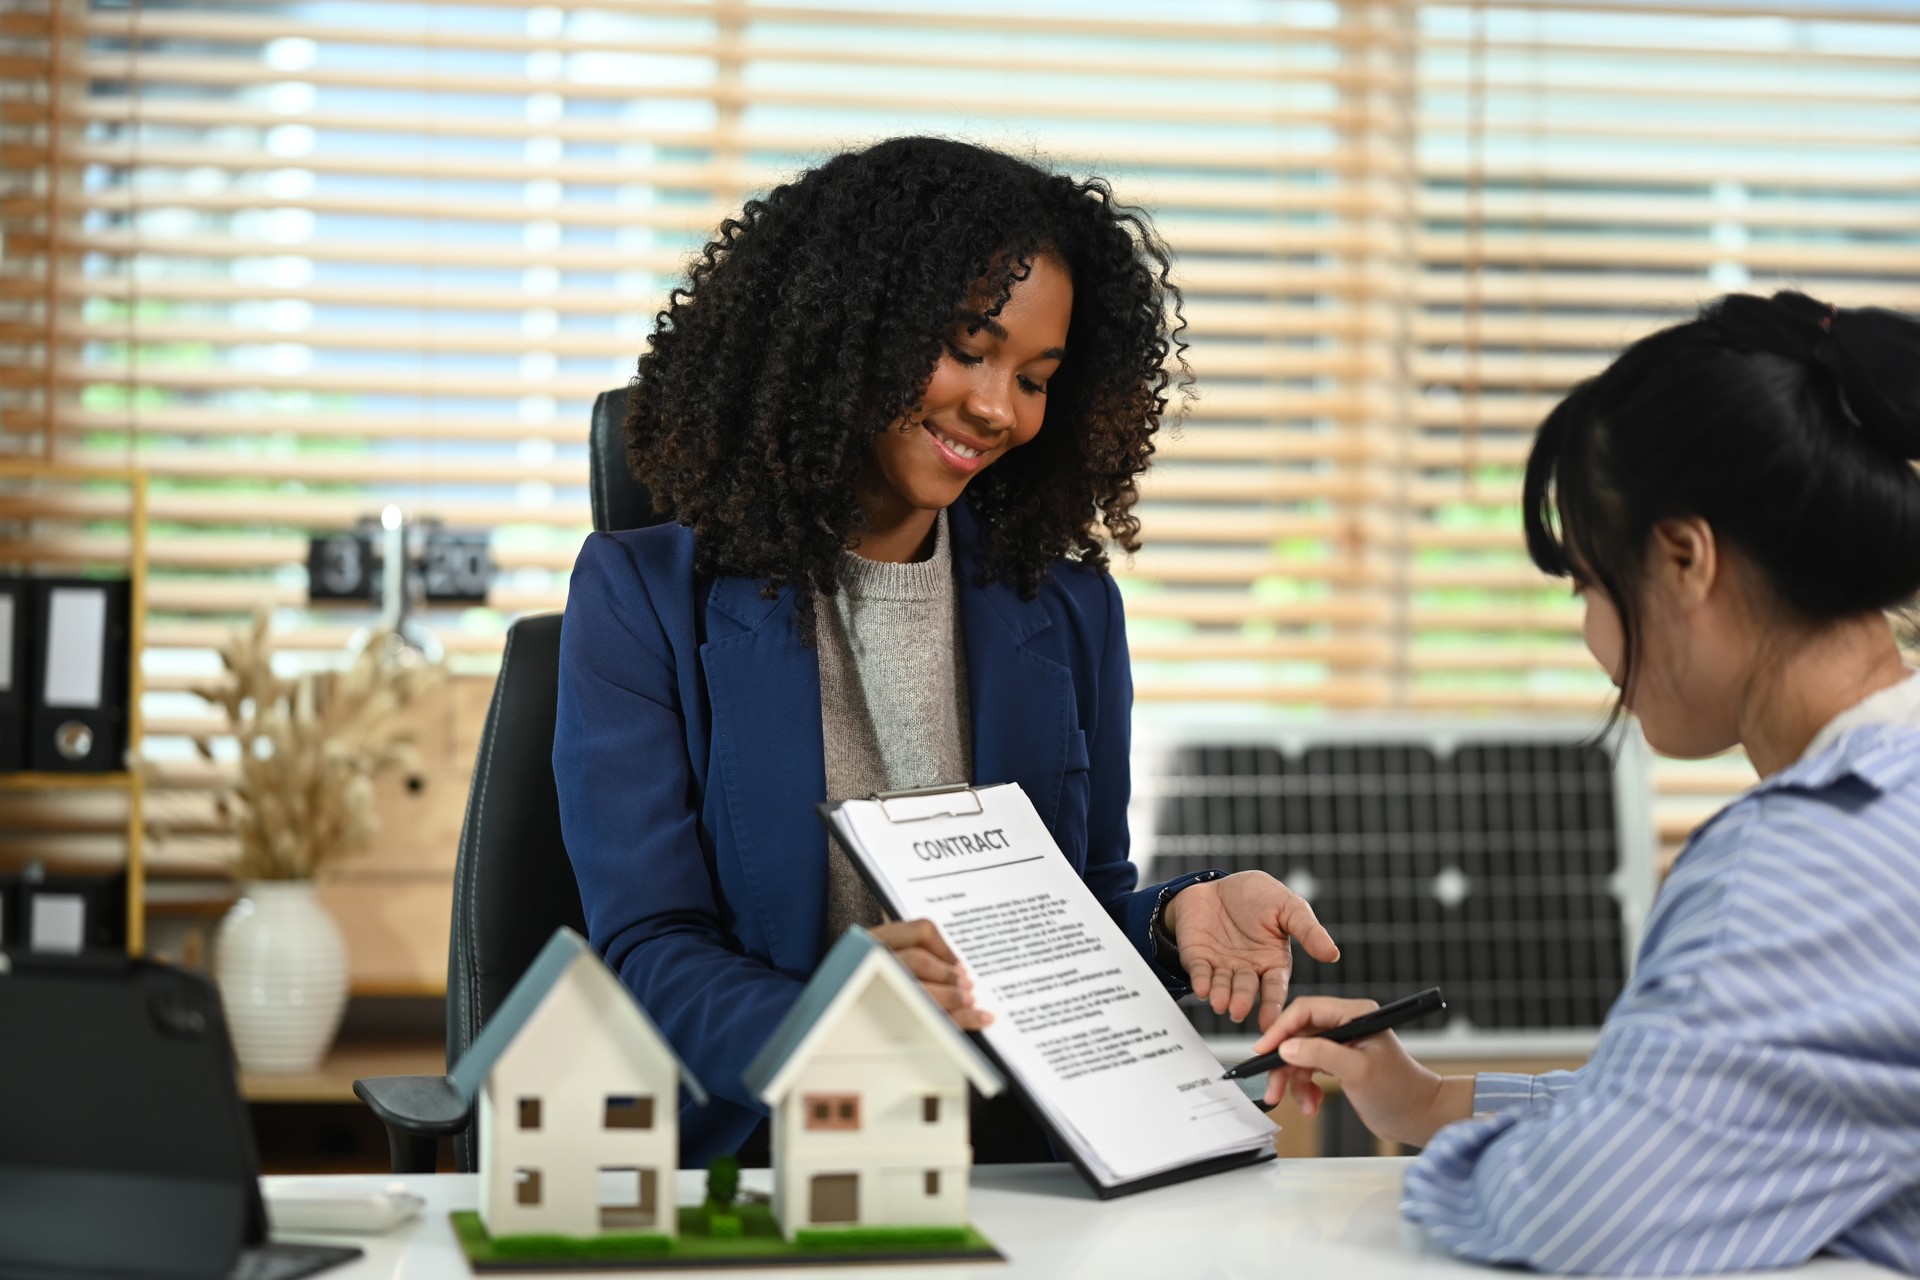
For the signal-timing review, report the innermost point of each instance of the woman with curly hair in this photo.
(887, 410)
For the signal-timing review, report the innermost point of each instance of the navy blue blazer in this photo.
(687, 752)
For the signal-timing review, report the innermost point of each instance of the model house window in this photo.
(526, 1186)
(930, 1109)
(627, 1112)
(933, 1182)
(832, 1110)
(529, 1113)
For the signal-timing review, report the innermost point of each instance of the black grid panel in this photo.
(1488, 870)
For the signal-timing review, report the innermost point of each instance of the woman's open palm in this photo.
(1235, 936)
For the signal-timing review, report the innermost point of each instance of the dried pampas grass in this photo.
(310, 747)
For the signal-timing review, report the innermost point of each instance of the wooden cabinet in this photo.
(394, 899)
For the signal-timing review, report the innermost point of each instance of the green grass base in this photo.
(759, 1242)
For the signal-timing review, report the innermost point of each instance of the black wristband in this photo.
(1166, 948)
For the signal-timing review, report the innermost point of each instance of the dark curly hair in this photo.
(812, 322)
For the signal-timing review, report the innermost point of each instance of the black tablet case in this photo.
(125, 1149)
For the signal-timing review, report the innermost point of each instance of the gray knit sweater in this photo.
(893, 696)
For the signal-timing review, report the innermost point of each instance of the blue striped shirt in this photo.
(1754, 1098)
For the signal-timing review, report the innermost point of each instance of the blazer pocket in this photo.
(1077, 757)
(1069, 823)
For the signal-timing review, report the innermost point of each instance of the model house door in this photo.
(629, 1198)
(836, 1197)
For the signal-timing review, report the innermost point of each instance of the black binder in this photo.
(10, 888)
(16, 626)
(65, 915)
(80, 675)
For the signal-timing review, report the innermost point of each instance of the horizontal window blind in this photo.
(301, 259)
(316, 257)
(1590, 173)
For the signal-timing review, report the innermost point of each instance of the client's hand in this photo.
(919, 946)
(1394, 1096)
(1235, 937)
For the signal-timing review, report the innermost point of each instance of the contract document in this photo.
(1080, 1021)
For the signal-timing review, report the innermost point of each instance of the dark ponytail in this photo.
(1788, 425)
(1871, 355)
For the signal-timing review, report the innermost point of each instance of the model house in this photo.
(577, 1099)
(867, 1079)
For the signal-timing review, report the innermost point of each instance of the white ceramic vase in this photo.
(281, 966)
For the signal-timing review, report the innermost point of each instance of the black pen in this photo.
(1385, 1018)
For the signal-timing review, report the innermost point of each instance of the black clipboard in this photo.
(828, 812)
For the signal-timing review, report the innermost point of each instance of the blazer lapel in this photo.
(764, 689)
(765, 693)
(1021, 702)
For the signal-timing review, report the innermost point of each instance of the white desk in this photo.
(1323, 1219)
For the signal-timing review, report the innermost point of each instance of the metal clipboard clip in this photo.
(917, 804)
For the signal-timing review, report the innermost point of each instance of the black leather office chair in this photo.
(513, 885)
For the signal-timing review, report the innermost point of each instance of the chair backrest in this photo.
(619, 501)
(513, 883)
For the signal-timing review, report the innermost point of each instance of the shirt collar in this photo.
(1896, 704)
(1883, 755)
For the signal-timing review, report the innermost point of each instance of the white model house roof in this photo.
(857, 960)
(564, 950)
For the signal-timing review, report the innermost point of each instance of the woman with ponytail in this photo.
(1735, 502)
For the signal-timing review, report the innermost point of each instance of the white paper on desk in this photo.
(1079, 1017)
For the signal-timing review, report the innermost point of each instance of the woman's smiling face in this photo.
(987, 395)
